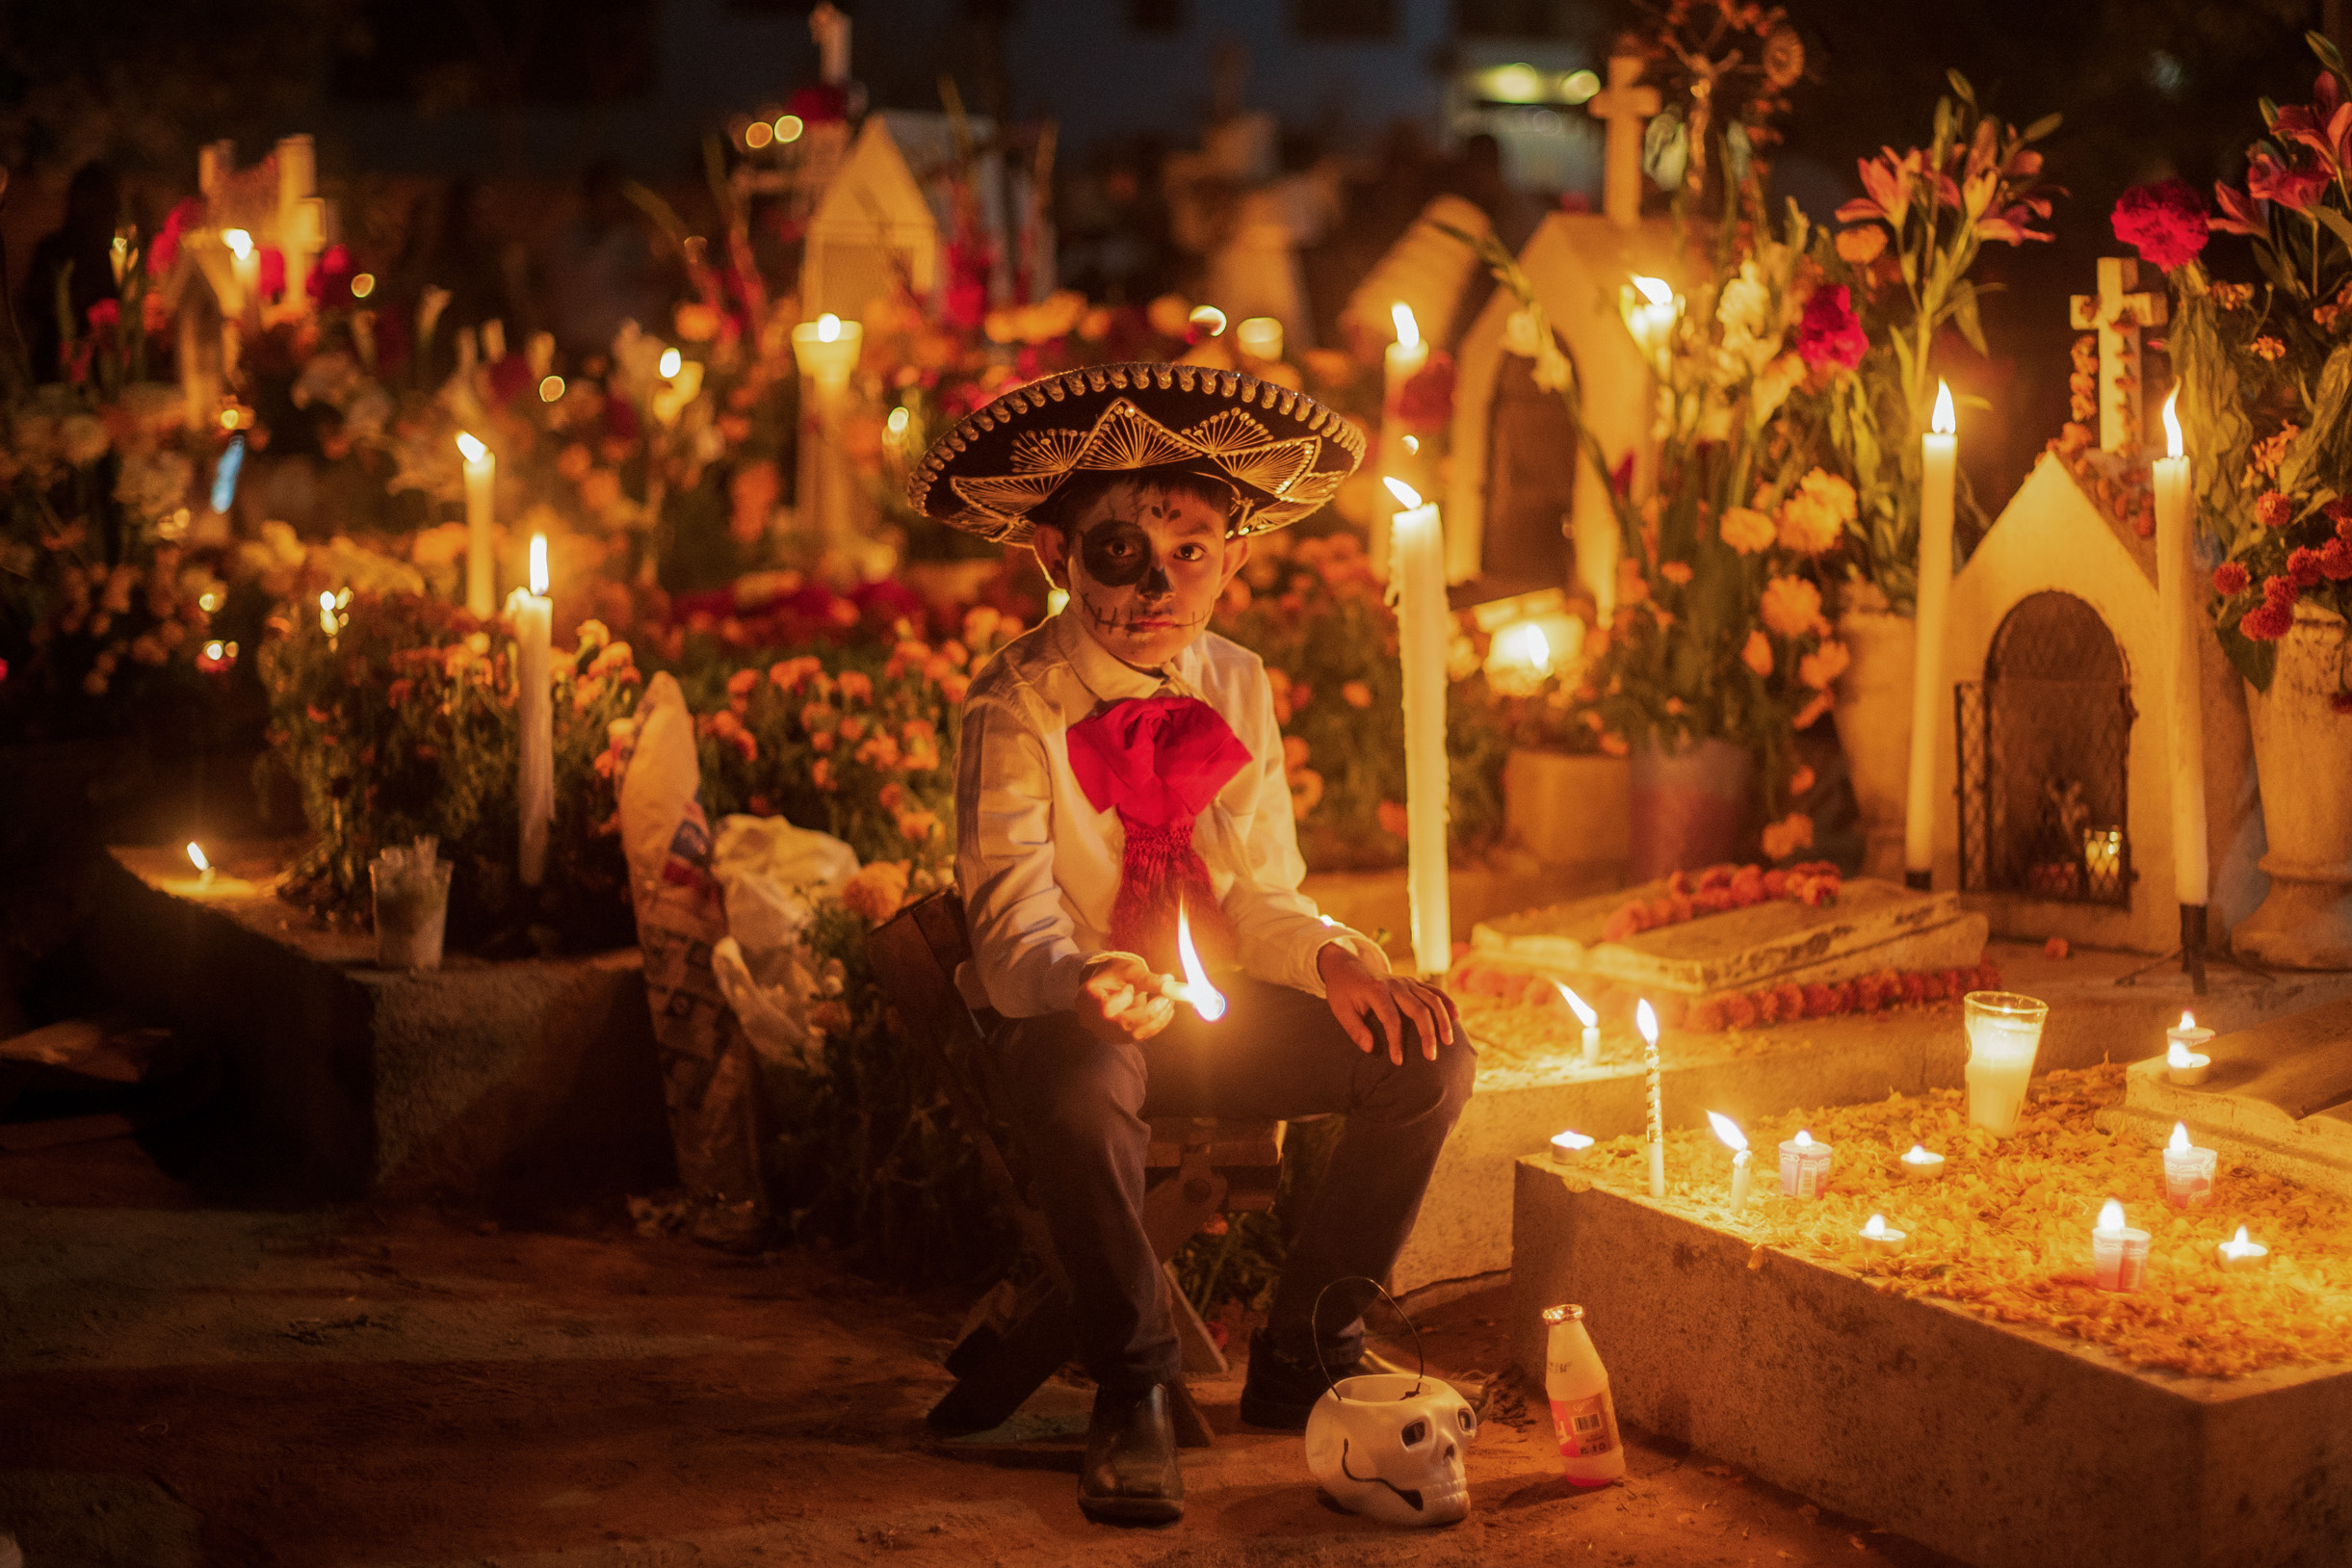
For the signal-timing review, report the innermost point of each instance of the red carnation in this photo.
(2336, 561)
(1829, 333)
(2303, 565)
(2165, 220)
(2274, 509)
(2292, 186)
(2231, 578)
(2268, 622)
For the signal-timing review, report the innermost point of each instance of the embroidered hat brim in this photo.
(1285, 453)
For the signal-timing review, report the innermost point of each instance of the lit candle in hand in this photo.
(1741, 1158)
(1206, 999)
(1590, 1019)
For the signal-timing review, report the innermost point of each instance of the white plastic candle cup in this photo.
(1568, 1148)
(2189, 1176)
(1804, 1168)
(2005, 1032)
(412, 912)
(2118, 1259)
(1882, 1241)
(1922, 1165)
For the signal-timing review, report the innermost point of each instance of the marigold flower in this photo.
(1677, 572)
(1615, 745)
(1791, 606)
(1800, 781)
(2336, 561)
(2282, 592)
(1814, 518)
(2303, 565)
(1306, 792)
(1757, 655)
(1824, 664)
(2231, 578)
(2274, 509)
(1745, 529)
(1357, 694)
(2268, 622)
(877, 890)
(856, 687)
(917, 826)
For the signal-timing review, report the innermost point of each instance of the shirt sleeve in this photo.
(1023, 944)
(1282, 932)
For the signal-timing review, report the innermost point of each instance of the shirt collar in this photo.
(1111, 679)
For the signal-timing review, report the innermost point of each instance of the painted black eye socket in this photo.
(1414, 1435)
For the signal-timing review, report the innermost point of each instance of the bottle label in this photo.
(1584, 1426)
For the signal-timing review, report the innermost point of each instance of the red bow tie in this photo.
(1158, 762)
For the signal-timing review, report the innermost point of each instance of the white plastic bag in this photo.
(771, 873)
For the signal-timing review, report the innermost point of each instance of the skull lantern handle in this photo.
(1314, 1314)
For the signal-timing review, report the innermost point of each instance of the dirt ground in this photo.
(182, 1384)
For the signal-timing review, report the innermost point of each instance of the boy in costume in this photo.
(1120, 762)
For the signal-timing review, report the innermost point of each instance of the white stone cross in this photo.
(1626, 108)
(2119, 310)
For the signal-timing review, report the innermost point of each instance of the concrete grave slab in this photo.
(517, 1079)
(2004, 1447)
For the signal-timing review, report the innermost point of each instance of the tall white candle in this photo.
(1939, 452)
(2177, 597)
(1588, 1017)
(1420, 594)
(1741, 1158)
(827, 349)
(1404, 360)
(533, 616)
(1645, 1019)
(480, 485)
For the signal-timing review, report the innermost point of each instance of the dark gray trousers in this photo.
(1081, 1104)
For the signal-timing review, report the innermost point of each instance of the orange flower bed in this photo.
(2005, 1232)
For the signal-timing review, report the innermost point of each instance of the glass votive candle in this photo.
(2189, 1170)
(412, 894)
(1804, 1167)
(2119, 1254)
(2005, 1032)
(1922, 1164)
(1568, 1148)
(1879, 1241)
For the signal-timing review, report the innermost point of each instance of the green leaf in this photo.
(1967, 94)
(1964, 317)
(2325, 49)
(2337, 221)
(2043, 127)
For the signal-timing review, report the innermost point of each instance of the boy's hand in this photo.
(1393, 1001)
(1119, 999)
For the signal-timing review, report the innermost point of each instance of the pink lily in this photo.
(1887, 179)
(2324, 124)
(2238, 214)
(2009, 223)
(2292, 186)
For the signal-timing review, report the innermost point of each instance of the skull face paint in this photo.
(1144, 567)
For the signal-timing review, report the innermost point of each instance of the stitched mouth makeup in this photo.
(1146, 575)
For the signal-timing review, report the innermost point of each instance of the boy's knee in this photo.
(1074, 1087)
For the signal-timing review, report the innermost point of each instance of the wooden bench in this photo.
(1020, 1333)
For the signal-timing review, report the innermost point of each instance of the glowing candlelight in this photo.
(1585, 1015)
(828, 331)
(1402, 360)
(2240, 1253)
(1567, 1148)
(481, 488)
(532, 614)
(1879, 1240)
(1650, 309)
(2119, 1254)
(205, 874)
(1804, 1167)
(1741, 1158)
(1922, 1164)
(2179, 592)
(1645, 1019)
(1424, 629)
(672, 360)
(1208, 321)
(2189, 1170)
(1260, 338)
(827, 350)
(1930, 698)
(1206, 999)
(2183, 1063)
(327, 622)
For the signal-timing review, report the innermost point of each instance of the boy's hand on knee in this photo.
(1389, 1002)
(1121, 999)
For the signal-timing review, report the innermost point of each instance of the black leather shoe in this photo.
(1282, 1387)
(1129, 1474)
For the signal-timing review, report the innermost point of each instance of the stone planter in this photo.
(2303, 756)
(1689, 806)
(1569, 810)
(1874, 710)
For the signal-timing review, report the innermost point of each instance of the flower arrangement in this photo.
(1897, 277)
(2266, 369)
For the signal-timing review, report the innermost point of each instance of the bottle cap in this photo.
(1563, 1313)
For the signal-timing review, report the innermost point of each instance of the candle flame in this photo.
(672, 360)
(898, 421)
(2179, 1138)
(1727, 1130)
(1576, 1005)
(1945, 422)
(2111, 1216)
(1572, 1140)
(1918, 1155)
(1406, 496)
(1210, 320)
(2239, 1243)
(1657, 290)
(1645, 1019)
(2172, 424)
(238, 240)
(1206, 999)
(1874, 1226)
(1803, 1138)
(1408, 331)
(195, 857)
(828, 328)
(2189, 1019)
(538, 564)
(472, 447)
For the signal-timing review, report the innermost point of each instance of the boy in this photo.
(1118, 763)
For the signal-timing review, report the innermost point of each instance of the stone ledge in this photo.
(523, 1079)
(2004, 1447)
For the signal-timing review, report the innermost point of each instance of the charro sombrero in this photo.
(1284, 452)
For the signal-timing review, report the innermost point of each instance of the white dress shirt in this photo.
(1039, 866)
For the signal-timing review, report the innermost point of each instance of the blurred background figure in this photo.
(80, 257)
(603, 271)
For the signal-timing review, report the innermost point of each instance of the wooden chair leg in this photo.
(1201, 1356)
(1184, 1415)
(1030, 1352)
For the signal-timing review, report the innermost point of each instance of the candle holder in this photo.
(1923, 1165)
(1804, 1167)
(2239, 1255)
(411, 896)
(2189, 1170)
(2185, 1064)
(2005, 1033)
(1879, 1241)
(2119, 1254)
(1569, 1148)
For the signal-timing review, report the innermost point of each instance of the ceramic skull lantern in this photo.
(1390, 1446)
